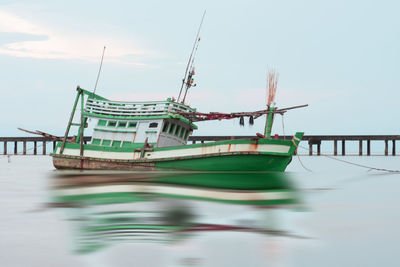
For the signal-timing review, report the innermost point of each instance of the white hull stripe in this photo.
(184, 152)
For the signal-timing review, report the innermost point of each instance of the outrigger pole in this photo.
(185, 79)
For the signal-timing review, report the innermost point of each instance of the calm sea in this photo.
(342, 215)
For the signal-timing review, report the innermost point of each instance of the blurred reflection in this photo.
(113, 207)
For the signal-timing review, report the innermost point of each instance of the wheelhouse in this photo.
(131, 124)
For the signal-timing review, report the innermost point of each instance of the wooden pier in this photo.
(331, 141)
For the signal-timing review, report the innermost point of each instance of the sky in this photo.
(340, 57)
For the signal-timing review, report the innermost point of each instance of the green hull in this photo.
(247, 162)
(246, 155)
(230, 163)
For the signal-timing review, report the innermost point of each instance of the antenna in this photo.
(190, 62)
(98, 74)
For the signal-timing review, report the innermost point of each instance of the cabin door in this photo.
(141, 132)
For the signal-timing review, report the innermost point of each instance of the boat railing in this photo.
(131, 109)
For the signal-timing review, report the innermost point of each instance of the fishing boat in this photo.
(154, 135)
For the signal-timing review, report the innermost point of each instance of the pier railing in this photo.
(32, 145)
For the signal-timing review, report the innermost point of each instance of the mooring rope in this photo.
(351, 163)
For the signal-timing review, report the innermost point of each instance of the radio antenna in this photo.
(98, 74)
(190, 62)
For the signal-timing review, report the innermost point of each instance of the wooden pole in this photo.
(386, 147)
(319, 149)
(5, 148)
(394, 148)
(15, 147)
(54, 145)
(44, 147)
(34, 148)
(343, 147)
(335, 147)
(360, 148)
(310, 149)
(70, 119)
(24, 151)
(368, 147)
(82, 127)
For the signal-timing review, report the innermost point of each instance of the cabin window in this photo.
(132, 124)
(116, 143)
(182, 133)
(112, 123)
(165, 128)
(122, 124)
(178, 128)
(102, 123)
(106, 143)
(172, 129)
(96, 142)
(127, 144)
(153, 125)
(186, 135)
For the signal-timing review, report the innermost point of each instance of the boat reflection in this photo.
(113, 207)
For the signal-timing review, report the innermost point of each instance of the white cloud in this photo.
(62, 45)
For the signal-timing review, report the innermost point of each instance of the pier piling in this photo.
(360, 148)
(368, 147)
(386, 147)
(44, 147)
(335, 147)
(394, 148)
(343, 147)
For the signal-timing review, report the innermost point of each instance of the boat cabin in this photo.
(131, 124)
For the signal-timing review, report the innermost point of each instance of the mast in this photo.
(188, 78)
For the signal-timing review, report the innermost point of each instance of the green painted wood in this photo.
(79, 91)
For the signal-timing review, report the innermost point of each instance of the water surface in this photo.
(341, 215)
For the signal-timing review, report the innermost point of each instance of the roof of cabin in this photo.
(100, 107)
